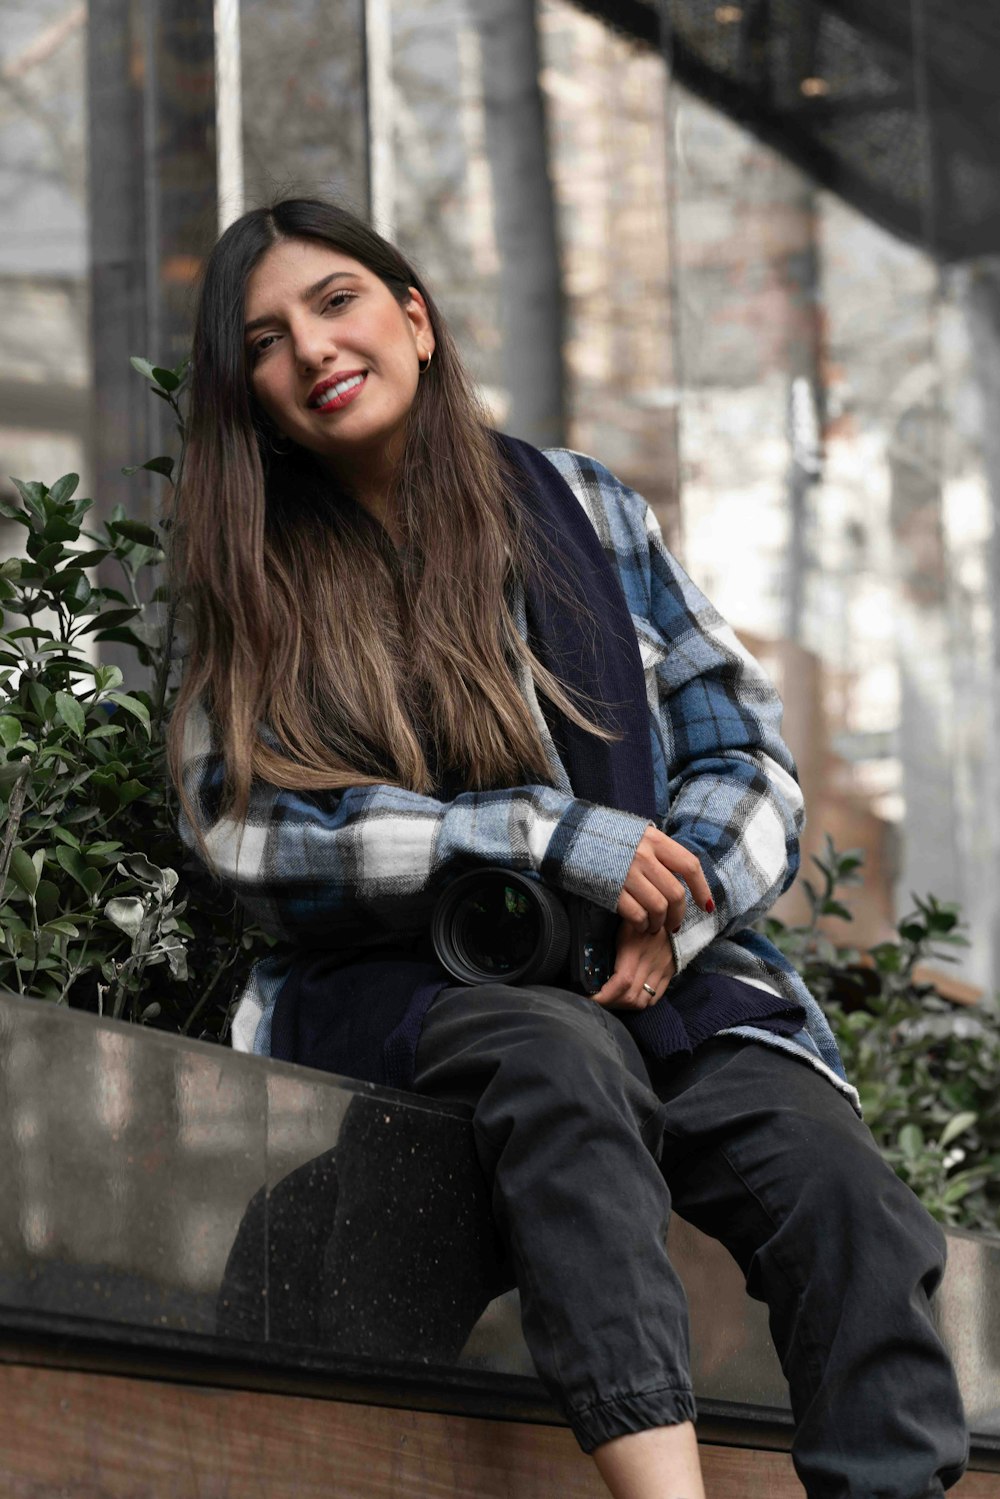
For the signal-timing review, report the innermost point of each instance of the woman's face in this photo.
(316, 318)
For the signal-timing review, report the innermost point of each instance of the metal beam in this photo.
(153, 216)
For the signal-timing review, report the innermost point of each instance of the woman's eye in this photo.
(338, 299)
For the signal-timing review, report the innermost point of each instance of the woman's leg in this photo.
(763, 1154)
(567, 1130)
(661, 1463)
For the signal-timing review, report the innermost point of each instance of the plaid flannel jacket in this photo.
(361, 868)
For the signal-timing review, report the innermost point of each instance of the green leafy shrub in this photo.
(100, 906)
(927, 1071)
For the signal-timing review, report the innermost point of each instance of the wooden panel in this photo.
(103, 1437)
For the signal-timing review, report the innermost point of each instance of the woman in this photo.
(423, 646)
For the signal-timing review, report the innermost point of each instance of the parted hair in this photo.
(297, 614)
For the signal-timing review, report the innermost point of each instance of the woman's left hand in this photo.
(642, 958)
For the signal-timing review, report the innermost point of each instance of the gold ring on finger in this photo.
(650, 991)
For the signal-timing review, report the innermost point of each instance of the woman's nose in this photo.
(312, 346)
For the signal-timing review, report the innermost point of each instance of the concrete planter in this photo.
(264, 1224)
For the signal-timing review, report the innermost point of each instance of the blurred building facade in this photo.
(803, 396)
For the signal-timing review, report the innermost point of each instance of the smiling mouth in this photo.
(339, 394)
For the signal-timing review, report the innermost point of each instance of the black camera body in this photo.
(498, 926)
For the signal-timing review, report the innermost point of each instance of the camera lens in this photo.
(497, 926)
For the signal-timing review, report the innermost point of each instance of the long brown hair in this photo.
(355, 684)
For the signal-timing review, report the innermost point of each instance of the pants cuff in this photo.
(638, 1411)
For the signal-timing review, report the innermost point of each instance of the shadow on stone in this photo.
(383, 1247)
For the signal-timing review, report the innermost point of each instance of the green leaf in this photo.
(131, 705)
(166, 379)
(887, 957)
(47, 896)
(127, 912)
(10, 731)
(90, 558)
(911, 1141)
(14, 770)
(77, 597)
(60, 648)
(123, 634)
(51, 553)
(58, 528)
(63, 927)
(135, 530)
(143, 366)
(42, 701)
(70, 859)
(64, 489)
(142, 869)
(176, 954)
(108, 676)
(108, 618)
(105, 731)
(161, 465)
(957, 1126)
(23, 871)
(106, 786)
(34, 951)
(71, 712)
(956, 1190)
(32, 494)
(56, 752)
(130, 791)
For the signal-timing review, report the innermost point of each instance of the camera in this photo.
(498, 926)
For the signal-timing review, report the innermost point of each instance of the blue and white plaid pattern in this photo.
(363, 867)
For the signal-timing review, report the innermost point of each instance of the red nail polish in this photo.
(710, 905)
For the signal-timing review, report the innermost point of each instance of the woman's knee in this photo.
(859, 1211)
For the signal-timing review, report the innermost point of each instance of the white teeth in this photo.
(338, 390)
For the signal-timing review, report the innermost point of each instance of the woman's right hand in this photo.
(653, 894)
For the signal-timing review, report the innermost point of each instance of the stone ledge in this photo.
(172, 1200)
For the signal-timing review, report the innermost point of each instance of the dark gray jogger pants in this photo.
(587, 1146)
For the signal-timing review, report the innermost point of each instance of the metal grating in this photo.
(892, 104)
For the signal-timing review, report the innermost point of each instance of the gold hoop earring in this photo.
(423, 368)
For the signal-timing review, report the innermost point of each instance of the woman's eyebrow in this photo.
(304, 296)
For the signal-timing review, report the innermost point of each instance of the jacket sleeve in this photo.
(734, 796)
(361, 866)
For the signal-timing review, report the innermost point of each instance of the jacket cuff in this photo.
(591, 851)
(695, 932)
